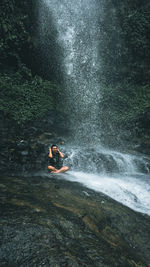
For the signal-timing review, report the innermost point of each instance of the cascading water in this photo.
(78, 33)
(119, 175)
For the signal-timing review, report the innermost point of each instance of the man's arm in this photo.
(50, 153)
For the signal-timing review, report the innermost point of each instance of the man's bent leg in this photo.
(62, 169)
(52, 169)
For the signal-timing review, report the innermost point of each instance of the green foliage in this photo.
(24, 100)
(23, 97)
(126, 106)
(125, 60)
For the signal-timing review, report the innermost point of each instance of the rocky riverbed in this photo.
(48, 221)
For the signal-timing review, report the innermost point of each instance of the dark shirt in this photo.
(56, 161)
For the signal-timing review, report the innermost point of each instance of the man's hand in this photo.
(60, 153)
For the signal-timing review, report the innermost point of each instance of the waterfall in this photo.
(75, 25)
(78, 33)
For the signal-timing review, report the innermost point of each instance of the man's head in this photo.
(54, 149)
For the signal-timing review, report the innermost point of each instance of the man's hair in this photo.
(53, 146)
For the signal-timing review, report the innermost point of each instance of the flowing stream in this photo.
(122, 176)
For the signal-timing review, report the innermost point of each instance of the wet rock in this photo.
(46, 137)
(25, 147)
(44, 226)
(24, 153)
(144, 164)
(143, 148)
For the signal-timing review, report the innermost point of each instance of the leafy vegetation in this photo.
(125, 72)
(24, 100)
(24, 94)
(126, 105)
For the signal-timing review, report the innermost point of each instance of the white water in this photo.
(128, 190)
(77, 28)
(125, 183)
(116, 174)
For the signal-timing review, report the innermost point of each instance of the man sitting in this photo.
(55, 160)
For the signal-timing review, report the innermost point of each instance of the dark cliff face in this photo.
(49, 221)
